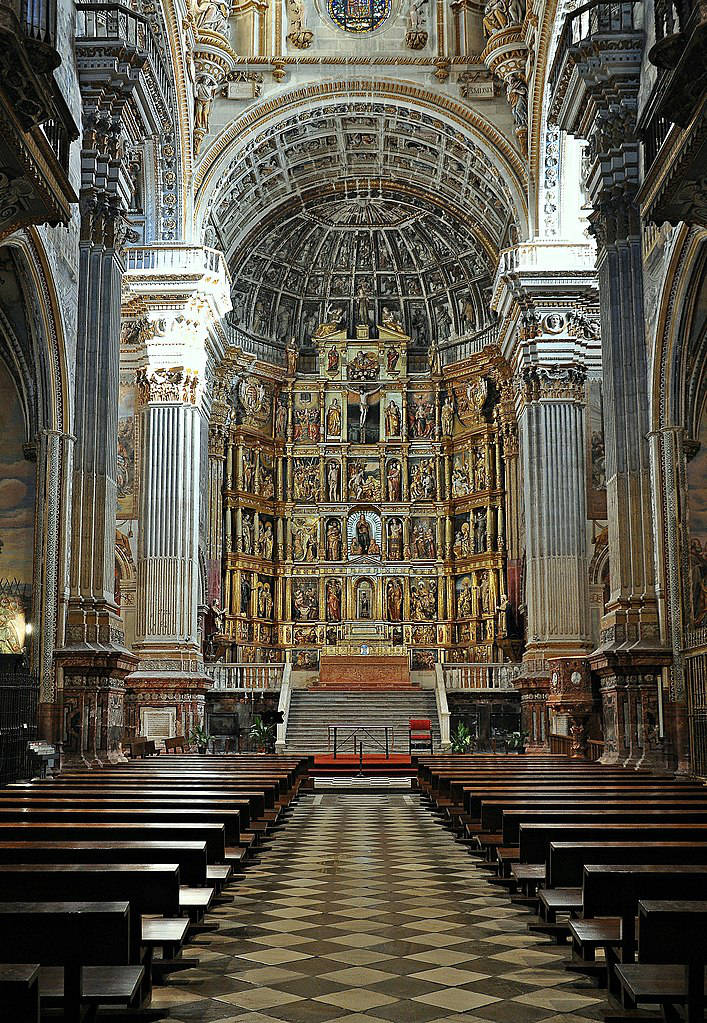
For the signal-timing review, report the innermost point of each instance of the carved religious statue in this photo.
(416, 34)
(209, 15)
(333, 541)
(395, 540)
(299, 35)
(333, 600)
(393, 419)
(333, 419)
(394, 480)
(447, 417)
(394, 593)
(333, 478)
(362, 306)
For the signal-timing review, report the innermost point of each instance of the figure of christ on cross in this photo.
(364, 403)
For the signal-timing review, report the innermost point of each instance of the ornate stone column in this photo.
(595, 81)
(184, 290)
(552, 438)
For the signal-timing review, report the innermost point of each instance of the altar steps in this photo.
(312, 710)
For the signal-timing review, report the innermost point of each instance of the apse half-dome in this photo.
(421, 268)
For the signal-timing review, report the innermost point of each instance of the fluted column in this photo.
(552, 430)
(168, 568)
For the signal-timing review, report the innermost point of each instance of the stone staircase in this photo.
(312, 711)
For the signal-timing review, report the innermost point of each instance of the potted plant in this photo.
(516, 742)
(261, 734)
(201, 738)
(462, 739)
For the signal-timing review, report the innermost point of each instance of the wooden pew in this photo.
(19, 991)
(613, 890)
(76, 814)
(88, 941)
(566, 860)
(149, 888)
(672, 950)
(190, 857)
(213, 835)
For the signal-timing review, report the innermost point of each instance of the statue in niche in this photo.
(394, 480)
(416, 35)
(485, 592)
(265, 602)
(333, 540)
(480, 531)
(281, 418)
(267, 542)
(333, 361)
(447, 417)
(464, 600)
(247, 534)
(444, 323)
(467, 313)
(299, 35)
(361, 305)
(393, 419)
(418, 326)
(394, 594)
(480, 480)
(248, 470)
(333, 600)
(333, 419)
(246, 590)
(333, 477)
(392, 359)
(499, 14)
(462, 541)
(260, 317)
(395, 540)
(502, 615)
(362, 538)
(203, 101)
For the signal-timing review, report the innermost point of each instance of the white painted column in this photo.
(552, 441)
(168, 567)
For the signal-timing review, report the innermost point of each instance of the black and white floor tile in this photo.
(364, 910)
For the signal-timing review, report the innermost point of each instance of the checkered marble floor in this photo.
(363, 910)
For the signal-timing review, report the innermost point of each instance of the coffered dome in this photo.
(423, 268)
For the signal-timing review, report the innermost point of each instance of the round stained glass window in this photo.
(359, 15)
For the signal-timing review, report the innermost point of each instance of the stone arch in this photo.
(36, 346)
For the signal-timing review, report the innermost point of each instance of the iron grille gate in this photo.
(19, 698)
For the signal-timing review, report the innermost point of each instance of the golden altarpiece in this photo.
(364, 505)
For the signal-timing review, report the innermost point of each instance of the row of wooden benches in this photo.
(605, 856)
(100, 869)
